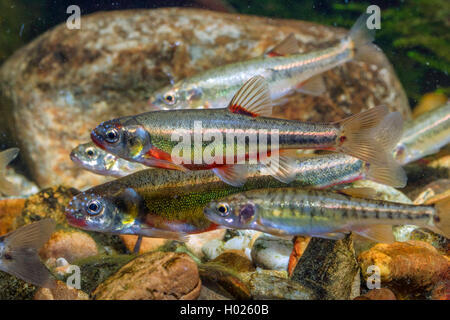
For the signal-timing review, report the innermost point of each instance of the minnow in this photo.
(284, 67)
(148, 138)
(19, 253)
(88, 156)
(295, 211)
(6, 157)
(169, 204)
(425, 135)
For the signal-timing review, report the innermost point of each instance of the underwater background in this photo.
(232, 264)
(414, 34)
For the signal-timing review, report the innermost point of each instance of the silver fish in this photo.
(98, 161)
(214, 88)
(294, 211)
(425, 135)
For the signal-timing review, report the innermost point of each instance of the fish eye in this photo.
(223, 209)
(112, 135)
(90, 152)
(94, 207)
(169, 99)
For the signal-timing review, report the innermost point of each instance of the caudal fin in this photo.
(387, 134)
(6, 157)
(360, 39)
(371, 135)
(21, 255)
(442, 218)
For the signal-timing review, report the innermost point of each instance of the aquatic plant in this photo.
(414, 34)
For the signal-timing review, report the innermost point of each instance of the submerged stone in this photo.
(328, 267)
(152, 276)
(71, 80)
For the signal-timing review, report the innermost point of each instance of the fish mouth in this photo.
(73, 221)
(74, 158)
(211, 215)
(154, 107)
(96, 138)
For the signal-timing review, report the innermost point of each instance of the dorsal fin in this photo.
(286, 47)
(252, 99)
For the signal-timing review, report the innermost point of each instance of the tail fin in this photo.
(21, 253)
(360, 38)
(6, 157)
(371, 135)
(387, 134)
(442, 218)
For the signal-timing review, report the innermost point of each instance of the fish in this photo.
(286, 69)
(88, 156)
(153, 138)
(325, 214)
(169, 204)
(6, 157)
(19, 253)
(424, 135)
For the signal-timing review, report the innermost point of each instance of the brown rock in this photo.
(65, 82)
(9, 210)
(441, 291)
(224, 281)
(328, 267)
(61, 292)
(208, 294)
(300, 244)
(70, 245)
(147, 244)
(267, 284)
(406, 267)
(48, 203)
(234, 260)
(380, 294)
(153, 276)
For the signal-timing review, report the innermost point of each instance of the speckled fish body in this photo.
(98, 161)
(165, 203)
(424, 135)
(294, 211)
(214, 88)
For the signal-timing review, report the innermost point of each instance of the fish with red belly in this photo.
(153, 138)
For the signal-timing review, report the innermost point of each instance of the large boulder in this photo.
(61, 85)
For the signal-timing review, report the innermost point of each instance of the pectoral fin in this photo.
(234, 175)
(314, 86)
(283, 168)
(380, 233)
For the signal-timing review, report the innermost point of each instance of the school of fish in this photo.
(171, 188)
